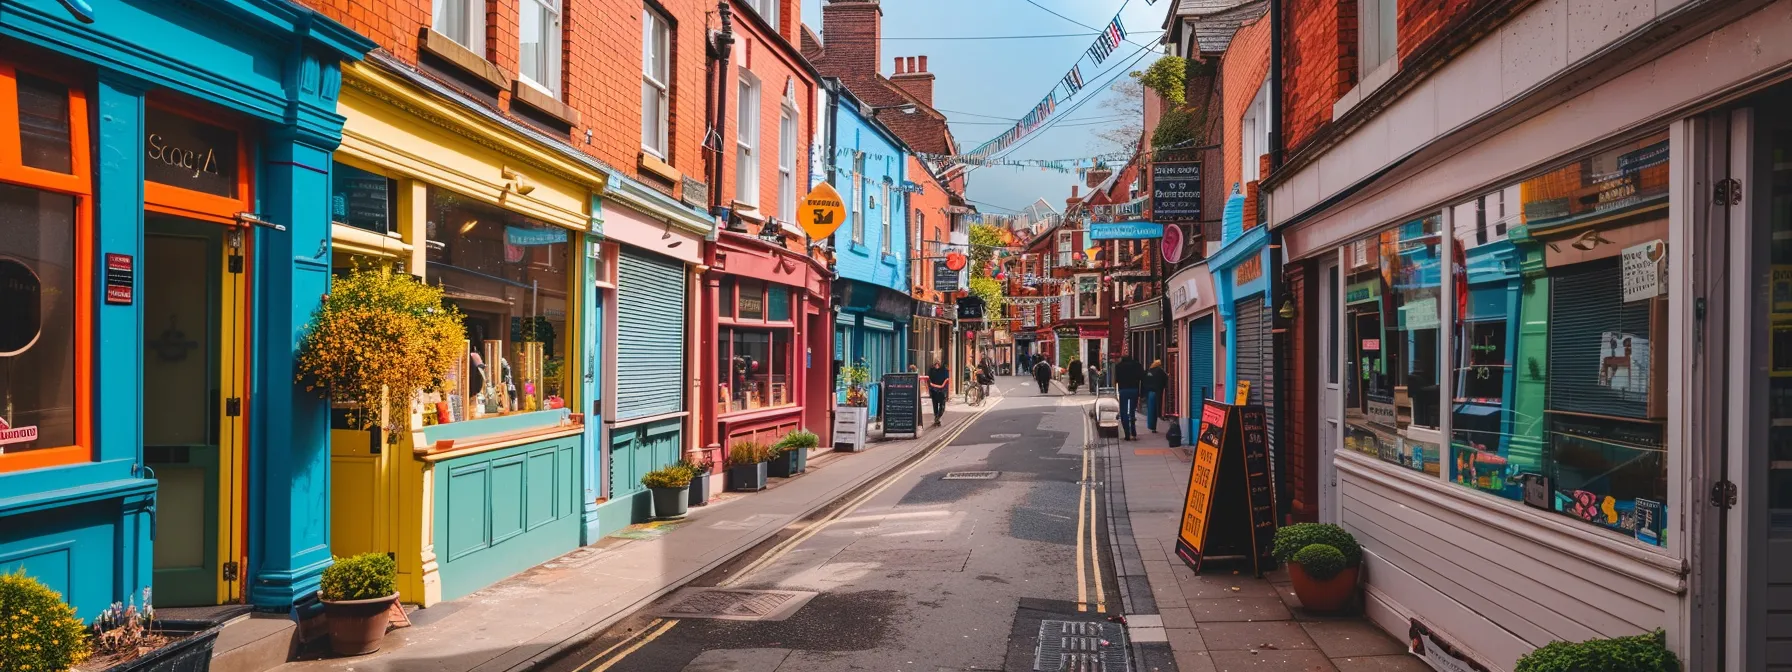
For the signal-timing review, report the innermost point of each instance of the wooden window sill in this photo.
(652, 164)
(527, 94)
(441, 46)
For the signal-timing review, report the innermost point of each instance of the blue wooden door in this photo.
(1200, 367)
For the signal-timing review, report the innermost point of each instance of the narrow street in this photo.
(920, 572)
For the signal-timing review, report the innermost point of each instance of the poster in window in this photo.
(1624, 363)
(1645, 271)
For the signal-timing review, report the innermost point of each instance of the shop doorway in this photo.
(1331, 393)
(194, 392)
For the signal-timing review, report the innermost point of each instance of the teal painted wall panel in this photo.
(501, 512)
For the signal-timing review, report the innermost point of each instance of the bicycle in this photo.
(973, 394)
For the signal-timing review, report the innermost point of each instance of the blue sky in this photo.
(1006, 78)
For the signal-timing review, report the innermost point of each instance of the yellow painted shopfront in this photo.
(490, 477)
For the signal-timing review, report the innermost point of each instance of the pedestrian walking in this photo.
(939, 383)
(1129, 376)
(1042, 372)
(1076, 374)
(1095, 379)
(1156, 379)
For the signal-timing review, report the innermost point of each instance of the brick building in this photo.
(1456, 187)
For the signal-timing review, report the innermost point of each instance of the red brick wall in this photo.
(601, 74)
(931, 204)
(775, 67)
(1318, 65)
(1299, 362)
(1242, 71)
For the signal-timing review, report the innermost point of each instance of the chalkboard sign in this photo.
(1230, 476)
(901, 403)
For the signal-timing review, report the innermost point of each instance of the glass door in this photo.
(1331, 397)
(193, 382)
(1767, 322)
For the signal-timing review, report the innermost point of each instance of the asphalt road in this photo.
(925, 574)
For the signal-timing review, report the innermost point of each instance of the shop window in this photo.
(1560, 369)
(758, 366)
(1088, 297)
(38, 353)
(752, 300)
(45, 140)
(1393, 387)
(362, 199)
(777, 305)
(727, 298)
(509, 275)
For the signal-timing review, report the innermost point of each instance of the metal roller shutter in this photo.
(1200, 363)
(1586, 303)
(650, 341)
(1256, 363)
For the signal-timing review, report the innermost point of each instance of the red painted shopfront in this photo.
(771, 333)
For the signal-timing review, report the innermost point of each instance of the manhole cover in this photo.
(1004, 436)
(1080, 646)
(736, 605)
(970, 475)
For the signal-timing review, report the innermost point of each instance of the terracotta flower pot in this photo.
(1328, 596)
(357, 626)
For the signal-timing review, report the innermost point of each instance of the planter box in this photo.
(192, 653)
(790, 463)
(849, 428)
(747, 477)
(699, 495)
(671, 502)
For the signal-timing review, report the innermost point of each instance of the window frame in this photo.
(788, 129)
(746, 139)
(475, 18)
(656, 25)
(883, 214)
(1077, 296)
(553, 34)
(1375, 46)
(77, 183)
(858, 198)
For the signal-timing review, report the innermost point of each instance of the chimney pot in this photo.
(923, 64)
(898, 65)
(1073, 191)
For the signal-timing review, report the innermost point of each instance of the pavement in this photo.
(525, 620)
(1224, 619)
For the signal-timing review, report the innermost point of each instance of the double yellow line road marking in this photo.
(1086, 519)
(660, 626)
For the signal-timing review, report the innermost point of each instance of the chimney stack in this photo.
(913, 77)
(851, 31)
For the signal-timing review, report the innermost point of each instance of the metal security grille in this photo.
(1200, 363)
(1590, 368)
(1081, 646)
(650, 339)
(1256, 363)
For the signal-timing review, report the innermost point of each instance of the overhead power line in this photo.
(993, 37)
(1085, 25)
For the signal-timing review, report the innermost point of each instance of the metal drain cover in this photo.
(736, 605)
(1081, 646)
(970, 475)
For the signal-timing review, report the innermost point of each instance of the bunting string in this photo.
(1110, 39)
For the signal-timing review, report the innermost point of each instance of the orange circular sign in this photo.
(821, 212)
(955, 261)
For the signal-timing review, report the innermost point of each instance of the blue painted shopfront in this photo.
(1200, 370)
(85, 526)
(1240, 249)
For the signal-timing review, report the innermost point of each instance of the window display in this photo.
(1560, 376)
(509, 275)
(1393, 392)
(37, 337)
(755, 361)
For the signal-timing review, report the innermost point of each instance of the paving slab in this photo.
(1268, 635)
(1344, 638)
(1239, 609)
(1307, 660)
(1400, 663)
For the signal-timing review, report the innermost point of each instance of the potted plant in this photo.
(128, 639)
(700, 471)
(856, 376)
(379, 331)
(670, 485)
(793, 453)
(1647, 652)
(747, 466)
(1323, 564)
(358, 591)
(42, 630)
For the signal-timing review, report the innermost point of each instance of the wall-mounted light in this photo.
(667, 235)
(515, 181)
(1287, 311)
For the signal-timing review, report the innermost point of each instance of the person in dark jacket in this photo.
(1042, 372)
(1129, 376)
(1156, 379)
(1076, 374)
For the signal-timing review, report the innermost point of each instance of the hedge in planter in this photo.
(793, 453)
(747, 465)
(41, 631)
(669, 485)
(1637, 653)
(1323, 562)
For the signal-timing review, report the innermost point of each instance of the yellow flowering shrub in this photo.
(379, 329)
(38, 631)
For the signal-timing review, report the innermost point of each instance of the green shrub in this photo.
(698, 468)
(1638, 653)
(671, 476)
(801, 438)
(40, 630)
(1291, 539)
(1320, 561)
(360, 577)
(749, 452)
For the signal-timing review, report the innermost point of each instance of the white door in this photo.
(1331, 405)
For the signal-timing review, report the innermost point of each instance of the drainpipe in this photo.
(724, 49)
(1282, 336)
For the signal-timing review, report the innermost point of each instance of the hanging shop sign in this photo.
(1148, 315)
(1172, 243)
(1176, 191)
(1125, 231)
(945, 279)
(970, 308)
(821, 212)
(187, 153)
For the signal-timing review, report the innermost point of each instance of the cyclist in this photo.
(986, 376)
